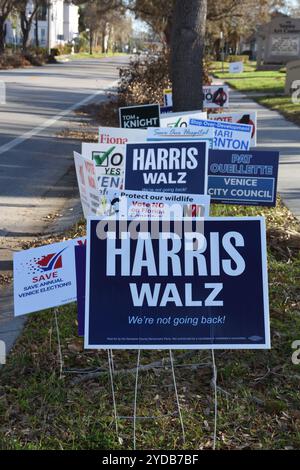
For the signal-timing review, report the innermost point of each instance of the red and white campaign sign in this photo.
(248, 117)
(88, 185)
(45, 277)
(214, 96)
(109, 160)
(118, 135)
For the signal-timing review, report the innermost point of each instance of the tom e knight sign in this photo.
(140, 117)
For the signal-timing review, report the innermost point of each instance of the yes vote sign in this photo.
(181, 286)
(247, 178)
(140, 117)
(167, 166)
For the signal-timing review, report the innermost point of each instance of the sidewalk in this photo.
(10, 326)
(276, 133)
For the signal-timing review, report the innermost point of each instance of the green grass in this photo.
(284, 105)
(266, 87)
(258, 397)
(269, 82)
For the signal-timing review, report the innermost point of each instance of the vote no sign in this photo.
(187, 284)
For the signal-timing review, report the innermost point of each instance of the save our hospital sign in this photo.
(177, 285)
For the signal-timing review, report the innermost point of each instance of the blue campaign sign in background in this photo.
(246, 178)
(80, 261)
(172, 292)
(179, 167)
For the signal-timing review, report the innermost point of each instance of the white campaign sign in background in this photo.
(87, 184)
(180, 119)
(227, 136)
(118, 135)
(237, 117)
(181, 134)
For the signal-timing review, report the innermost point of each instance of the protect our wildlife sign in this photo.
(227, 136)
(138, 204)
(247, 178)
(180, 119)
(249, 117)
(45, 277)
(140, 117)
(179, 167)
(177, 286)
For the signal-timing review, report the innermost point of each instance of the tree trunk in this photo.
(91, 41)
(37, 41)
(187, 44)
(2, 34)
(25, 27)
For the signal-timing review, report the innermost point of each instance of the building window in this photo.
(42, 13)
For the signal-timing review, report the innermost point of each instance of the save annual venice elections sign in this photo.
(147, 115)
(248, 178)
(227, 136)
(146, 205)
(249, 118)
(214, 96)
(181, 119)
(181, 133)
(117, 135)
(109, 164)
(45, 277)
(88, 185)
(179, 167)
(182, 289)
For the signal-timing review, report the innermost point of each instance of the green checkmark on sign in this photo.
(177, 122)
(99, 159)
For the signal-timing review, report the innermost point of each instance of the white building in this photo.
(64, 25)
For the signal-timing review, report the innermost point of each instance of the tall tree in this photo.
(26, 19)
(187, 45)
(6, 7)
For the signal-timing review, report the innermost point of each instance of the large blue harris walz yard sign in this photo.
(186, 287)
(179, 167)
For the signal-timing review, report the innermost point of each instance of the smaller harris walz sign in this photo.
(140, 117)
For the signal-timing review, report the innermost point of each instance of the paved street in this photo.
(33, 161)
(37, 176)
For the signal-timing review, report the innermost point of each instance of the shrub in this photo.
(237, 58)
(13, 61)
(144, 80)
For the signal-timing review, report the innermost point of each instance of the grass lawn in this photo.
(258, 391)
(250, 80)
